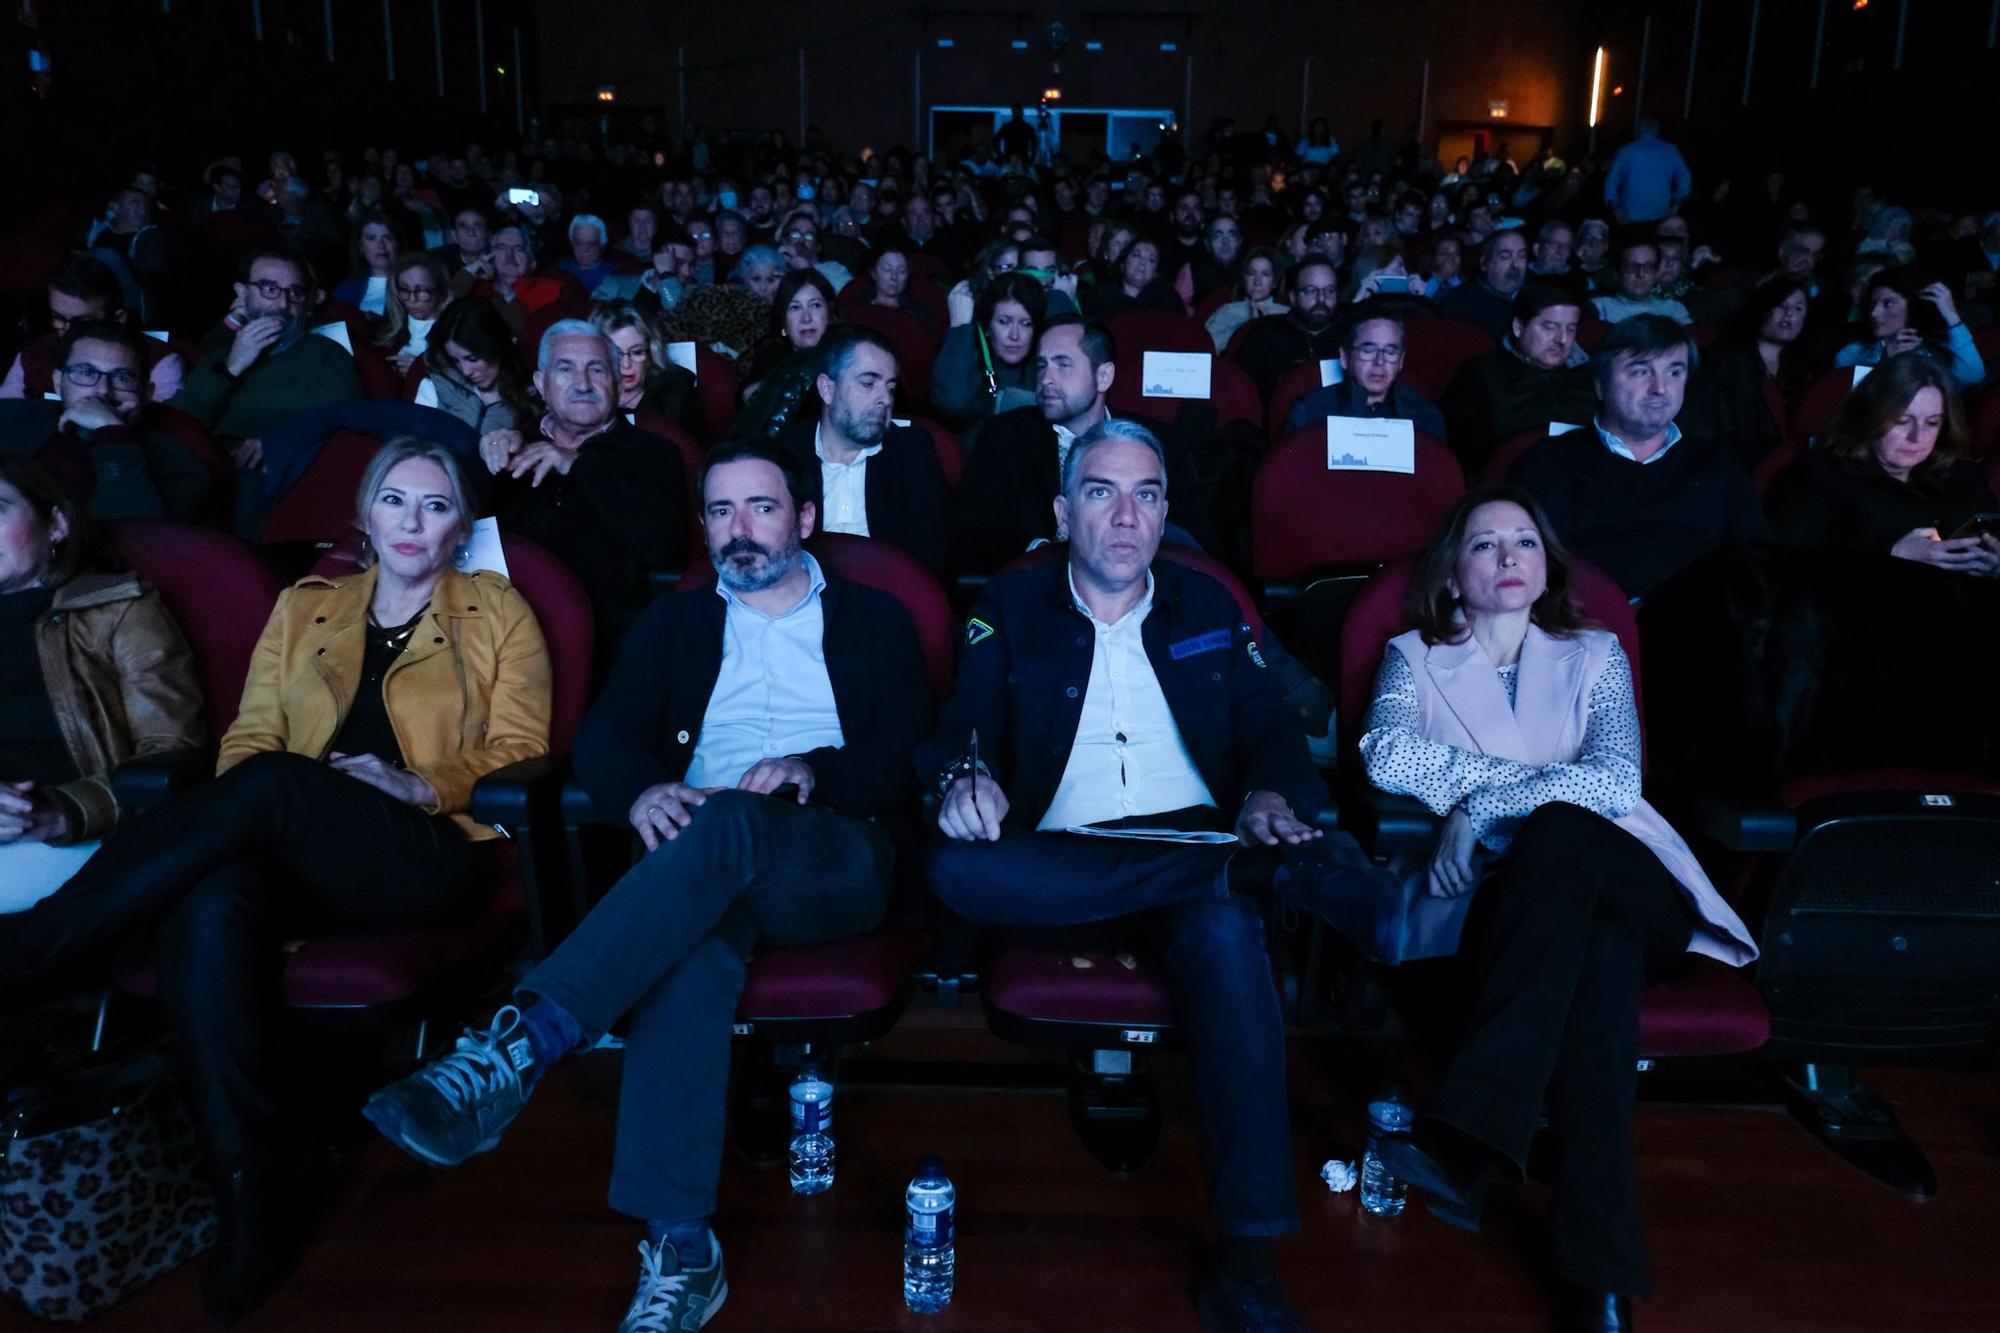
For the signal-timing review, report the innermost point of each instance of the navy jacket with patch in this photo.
(1024, 667)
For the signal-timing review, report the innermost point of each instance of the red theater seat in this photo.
(1500, 463)
(1821, 402)
(914, 349)
(1434, 348)
(716, 381)
(1231, 392)
(1157, 331)
(1297, 383)
(320, 505)
(950, 450)
(1305, 517)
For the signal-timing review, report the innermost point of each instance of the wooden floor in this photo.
(1753, 1226)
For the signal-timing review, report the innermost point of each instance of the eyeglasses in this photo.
(699, 236)
(1376, 352)
(84, 376)
(631, 354)
(796, 235)
(271, 291)
(407, 292)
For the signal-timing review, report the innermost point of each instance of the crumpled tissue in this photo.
(1340, 1177)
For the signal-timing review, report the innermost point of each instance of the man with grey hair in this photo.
(1550, 252)
(587, 261)
(757, 739)
(608, 499)
(1108, 688)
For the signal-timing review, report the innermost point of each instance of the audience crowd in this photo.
(656, 357)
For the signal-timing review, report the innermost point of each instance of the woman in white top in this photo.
(1507, 713)
(1257, 285)
(418, 294)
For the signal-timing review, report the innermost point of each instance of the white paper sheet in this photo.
(338, 332)
(1175, 374)
(1370, 444)
(31, 871)
(1563, 427)
(1155, 835)
(682, 355)
(158, 335)
(1860, 374)
(1330, 372)
(484, 551)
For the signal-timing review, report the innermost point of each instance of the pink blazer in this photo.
(1463, 703)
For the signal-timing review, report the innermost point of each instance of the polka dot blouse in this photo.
(1496, 793)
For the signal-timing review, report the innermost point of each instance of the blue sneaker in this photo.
(671, 1299)
(458, 1106)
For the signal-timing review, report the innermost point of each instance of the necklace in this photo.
(398, 637)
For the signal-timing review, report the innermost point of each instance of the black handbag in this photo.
(101, 1191)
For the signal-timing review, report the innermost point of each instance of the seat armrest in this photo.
(1388, 825)
(141, 784)
(506, 795)
(1744, 824)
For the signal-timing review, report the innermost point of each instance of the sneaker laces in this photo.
(653, 1304)
(477, 1068)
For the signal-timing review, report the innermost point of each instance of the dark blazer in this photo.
(619, 516)
(1499, 394)
(1852, 504)
(644, 727)
(1025, 666)
(1007, 497)
(1346, 399)
(908, 502)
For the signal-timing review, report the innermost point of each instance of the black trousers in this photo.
(1562, 941)
(278, 846)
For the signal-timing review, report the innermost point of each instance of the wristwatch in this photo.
(962, 767)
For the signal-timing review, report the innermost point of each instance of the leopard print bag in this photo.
(100, 1191)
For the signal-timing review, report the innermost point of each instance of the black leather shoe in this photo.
(255, 1245)
(1448, 1168)
(1259, 1306)
(1588, 1310)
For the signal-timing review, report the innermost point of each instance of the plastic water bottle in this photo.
(812, 1132)
(930, 1242)
(1381, 1193)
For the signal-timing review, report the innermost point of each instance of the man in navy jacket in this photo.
(1106, 689)
(756, 736)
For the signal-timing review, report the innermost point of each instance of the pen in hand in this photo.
(974, 775)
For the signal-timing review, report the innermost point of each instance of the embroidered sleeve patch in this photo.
(1250, 646)
(977, 631)
(1213, 641)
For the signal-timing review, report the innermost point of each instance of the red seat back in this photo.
(1305, 516)
(693, 460)
(539, 322)
(191, 435)
(420, 370)
(1992, 471)
(360, 328)
(1984, 429)
(914, 350)
(1379, 613)
(1773, 464)
(1434, 349)
(890, 569)
(1591, 332)
(1213, 300)
(950, 450)
(320, 505)
(1231, 392)
(861, 292)
(379, 380)
(716, 381)
(1136, 331)
(1299, 381)
(220, 592)
(1500, 462)
(1704, 332)
(1820, 403)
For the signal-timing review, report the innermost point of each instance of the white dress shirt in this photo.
(843, 490)
(1624, 450)
(772, 697)
(1128, 758)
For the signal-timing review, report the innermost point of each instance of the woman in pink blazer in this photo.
(1566, 894)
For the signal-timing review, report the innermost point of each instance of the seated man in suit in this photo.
(609, 499)
(1004, 499)
(99, 440)
(875, 478)
(756, 737)
(1630, 493)
(1537, 375)
(1106, 687)
(1371, 357)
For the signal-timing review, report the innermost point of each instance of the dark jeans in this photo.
(278, 846)
(1210, 942)
(1561, 943)
(670, 944)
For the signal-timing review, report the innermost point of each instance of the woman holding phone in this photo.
(1893, 477)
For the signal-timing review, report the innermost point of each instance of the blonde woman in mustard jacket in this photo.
(374, 702)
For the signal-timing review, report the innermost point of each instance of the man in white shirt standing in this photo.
(1107, 689)
(875, 478)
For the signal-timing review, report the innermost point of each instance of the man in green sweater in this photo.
(273, 366)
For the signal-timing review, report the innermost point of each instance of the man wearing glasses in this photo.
(98, 441)
(1274, 345)
(1371, 357)
(270, 368)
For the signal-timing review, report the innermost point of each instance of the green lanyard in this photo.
(992, 382)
